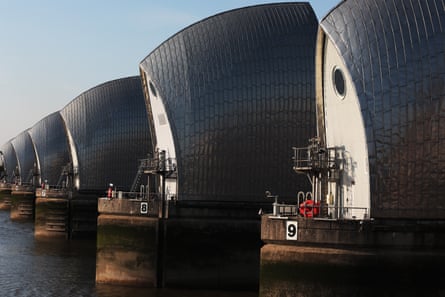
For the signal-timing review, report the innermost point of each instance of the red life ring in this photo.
(309, 209)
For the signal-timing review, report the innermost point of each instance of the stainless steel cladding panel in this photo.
(395, 53)
(10, 158)
(51, 144)
(109, 129)
(26, 157)
(238, 90)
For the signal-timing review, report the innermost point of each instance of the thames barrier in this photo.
(258, 149)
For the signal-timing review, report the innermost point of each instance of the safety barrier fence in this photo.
(316, 210)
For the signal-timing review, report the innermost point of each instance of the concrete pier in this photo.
(5, 196)
(60, 213)
(314, 256)
(195, 245)
(127, 241)
(22, 203)
(52, 214)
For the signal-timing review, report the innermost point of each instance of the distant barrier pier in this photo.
(5, 196)
(62, 213)
(22, 202)
(52, 213)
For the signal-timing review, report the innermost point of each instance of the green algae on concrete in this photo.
(126, 250)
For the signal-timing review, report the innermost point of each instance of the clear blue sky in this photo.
(53, 50)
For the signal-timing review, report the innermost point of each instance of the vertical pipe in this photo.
(161, 234)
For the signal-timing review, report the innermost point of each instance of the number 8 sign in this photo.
(291, 230)
(144, 207)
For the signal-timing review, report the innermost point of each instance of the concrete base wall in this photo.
(317, 257)
(126, 250)
(5, 199)
(199, 245)
(126, 207)
(368, 233)
(52, 218)
(64, 214)
(22, 206)
(211, 253)
(294, 271)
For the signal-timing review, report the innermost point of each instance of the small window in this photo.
(338, 79)
(162, 119)
(152, 89)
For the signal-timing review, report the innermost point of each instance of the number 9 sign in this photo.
(291, 230)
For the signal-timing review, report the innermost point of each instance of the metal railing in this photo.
(158, 165)
(314, 159)
(334, 212)
(307, 207)
(142, 195)
(286, 210)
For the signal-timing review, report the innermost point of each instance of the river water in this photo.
(30, 267)
(36, 268)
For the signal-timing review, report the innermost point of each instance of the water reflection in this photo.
(116, 291)
(30, 267)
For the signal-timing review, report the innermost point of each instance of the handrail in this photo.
(283, 210)
(146, 196)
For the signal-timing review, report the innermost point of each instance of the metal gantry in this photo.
(324, 167)
(159, 165)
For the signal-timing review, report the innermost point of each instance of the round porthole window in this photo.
(338, 79)
(153, 89)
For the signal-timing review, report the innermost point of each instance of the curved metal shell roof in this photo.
(238, 89)
(395, 53)
(26, 157)
(109, 127)
(51, 144)
(10, 160)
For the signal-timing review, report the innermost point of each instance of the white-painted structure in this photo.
(38, 164)
(163, 135)
(74, 158)
(344, 129)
